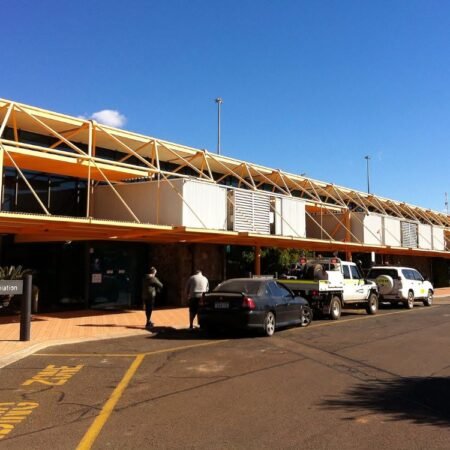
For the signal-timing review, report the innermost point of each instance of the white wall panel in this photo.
(438, 238)
(176, 202)
(373, 229)
(425, 236)
(290, 217)
(206, 205)
(391, 231)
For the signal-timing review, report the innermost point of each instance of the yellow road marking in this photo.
(174, 349)
(130, 355)
(54, 376)
(12, 414)
(94, 430)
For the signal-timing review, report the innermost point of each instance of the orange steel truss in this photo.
(74, 153)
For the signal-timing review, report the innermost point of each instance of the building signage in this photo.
(11, 287)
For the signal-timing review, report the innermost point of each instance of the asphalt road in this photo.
(364, 382)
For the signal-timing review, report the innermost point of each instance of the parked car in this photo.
(252, 303)
(401, 285)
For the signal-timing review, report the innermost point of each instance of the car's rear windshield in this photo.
(245, 286)
(374, 273)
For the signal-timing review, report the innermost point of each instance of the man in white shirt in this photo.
(196, 285)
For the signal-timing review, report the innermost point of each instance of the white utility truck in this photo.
(330, 284)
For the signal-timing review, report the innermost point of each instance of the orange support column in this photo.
(257, 260)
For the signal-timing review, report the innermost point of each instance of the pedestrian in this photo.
(196, 285)
(151, 286)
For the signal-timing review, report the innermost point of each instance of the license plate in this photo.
(221, 305)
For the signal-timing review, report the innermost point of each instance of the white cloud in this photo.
(109, 117)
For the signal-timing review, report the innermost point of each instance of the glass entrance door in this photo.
(114, 275)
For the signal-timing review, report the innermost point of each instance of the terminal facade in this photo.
(89, 208)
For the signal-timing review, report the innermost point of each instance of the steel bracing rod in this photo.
(182, 199)
(230, 172)
(69, 134)
(394, 207)
(52, 131)
(145, 144)
(244, 168)
(265, 178)
(5, 120)
(299, 187)
(64, 153)
(117, 194)
(356, 201)
(378, 208)
(25, 180)
(89, 187)
(341, 223)
(190, 159)
(407, 212)
(341, 198)
(184, 160)
(126, 147)
(320, 226)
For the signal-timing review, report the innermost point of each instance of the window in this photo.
(356, 275)
(284, 291)
(417, 275)
(408, 274)
(346, 271)
(278, 290)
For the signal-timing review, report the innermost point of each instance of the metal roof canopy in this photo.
(74, 161)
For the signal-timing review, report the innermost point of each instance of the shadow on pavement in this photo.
(416, 399)
(170, 333)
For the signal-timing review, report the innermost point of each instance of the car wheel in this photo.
(306, 316)
(269, 324)
(372, 304)
(410, 301)
(429, 300)
(335, 308)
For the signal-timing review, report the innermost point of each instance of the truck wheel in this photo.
(269, 324)
(335, 308)
(372, 304)
(410, 302)
(429, 300)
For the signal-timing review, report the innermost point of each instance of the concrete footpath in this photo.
(88, 325)
(78, 326)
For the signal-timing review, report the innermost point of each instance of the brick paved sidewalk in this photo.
(76, 326)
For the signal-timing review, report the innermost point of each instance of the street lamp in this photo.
(219, 101)
(367, 158)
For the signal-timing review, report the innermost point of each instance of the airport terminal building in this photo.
(89, 208)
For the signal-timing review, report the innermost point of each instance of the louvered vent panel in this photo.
(251, 212)
(409, 234)
(261, 216)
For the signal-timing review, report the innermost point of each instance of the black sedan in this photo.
(252, 303)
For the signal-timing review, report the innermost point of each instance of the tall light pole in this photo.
(367, 158)
(219, 101)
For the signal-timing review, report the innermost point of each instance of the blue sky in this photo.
(308, 86)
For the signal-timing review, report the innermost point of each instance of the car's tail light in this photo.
(248, 303)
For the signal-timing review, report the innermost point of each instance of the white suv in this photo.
(401, 284)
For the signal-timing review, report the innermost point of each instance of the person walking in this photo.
(150, 288)
(196, 285)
